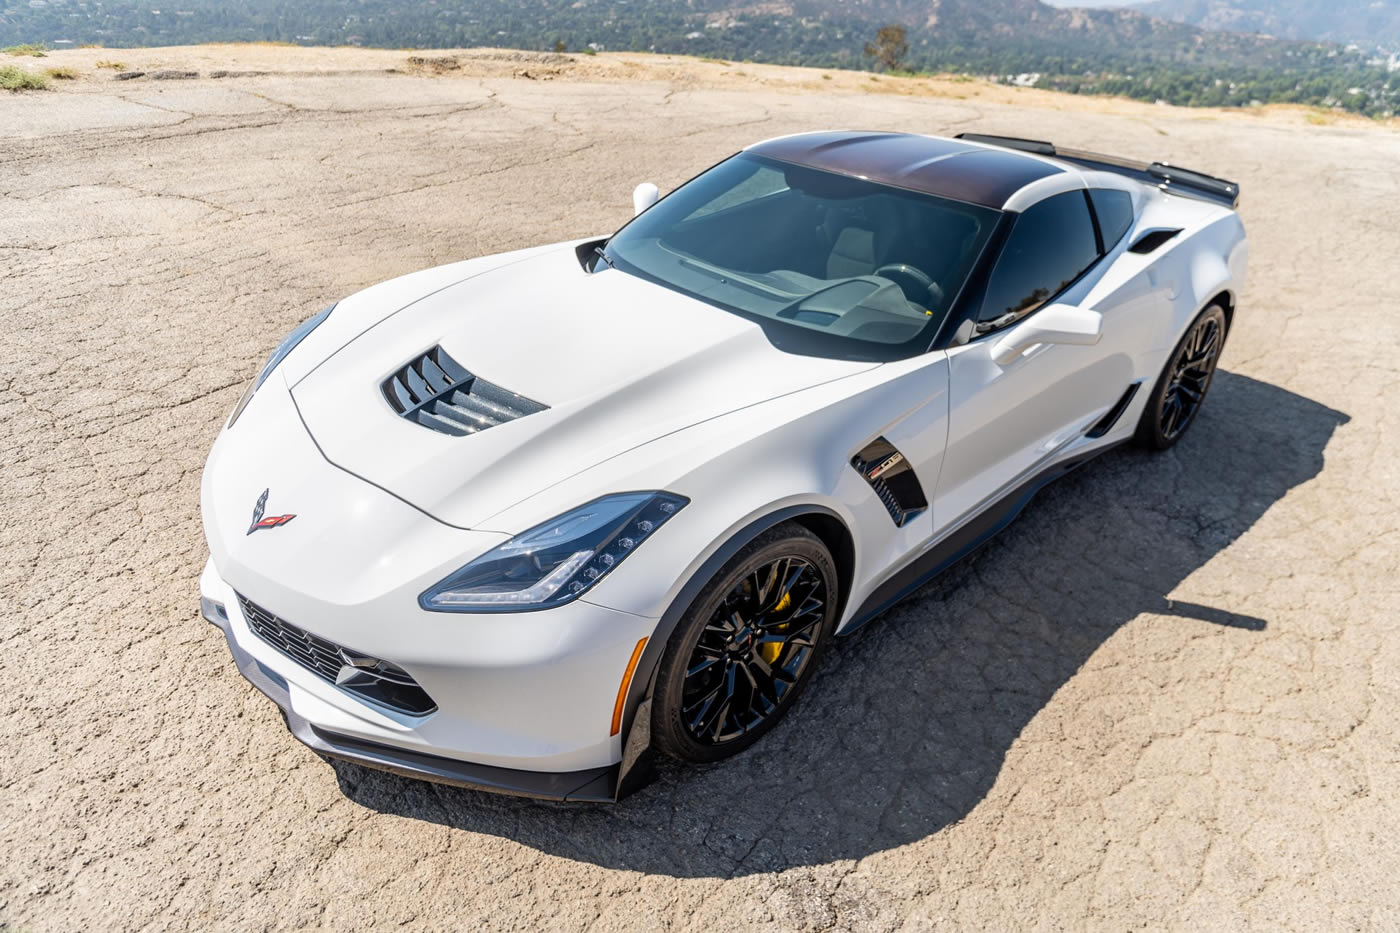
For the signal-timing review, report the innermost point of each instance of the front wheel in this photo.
(746, 647)
(1181, 389)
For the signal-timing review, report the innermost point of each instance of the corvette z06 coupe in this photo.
(517, 522)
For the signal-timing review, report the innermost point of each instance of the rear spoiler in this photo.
(1167, 177)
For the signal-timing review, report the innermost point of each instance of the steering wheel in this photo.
(903, 273)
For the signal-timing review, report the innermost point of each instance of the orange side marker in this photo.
(622, 687)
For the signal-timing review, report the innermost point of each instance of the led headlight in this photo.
(287, 345)
(555, 562)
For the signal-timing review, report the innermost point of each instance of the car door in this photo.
(1006, 421)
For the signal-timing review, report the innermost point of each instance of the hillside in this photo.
(1376, 21)
(1118, 51)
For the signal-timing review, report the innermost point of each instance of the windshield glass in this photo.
(830, 265)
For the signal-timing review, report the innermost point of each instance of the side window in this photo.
(1051, 244)
(1114, 210)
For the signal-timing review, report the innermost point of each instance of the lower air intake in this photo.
(437, 392)
(892, 478)
(368, 678)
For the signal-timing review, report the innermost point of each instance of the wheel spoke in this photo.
(704, 664)
(1171, 412)
(764, 579)
(731, 677)
(705, 703)
(765, 685)
(809, 605)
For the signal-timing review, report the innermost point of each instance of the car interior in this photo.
(842, 255)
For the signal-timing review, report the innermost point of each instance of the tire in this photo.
(1181, 389)
(740, 625)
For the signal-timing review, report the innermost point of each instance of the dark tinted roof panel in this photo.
(943, 167)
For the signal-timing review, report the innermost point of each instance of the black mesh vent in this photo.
(370, 678)
(893, 479)
(435, 391)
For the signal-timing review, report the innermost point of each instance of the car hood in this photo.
(618, 361)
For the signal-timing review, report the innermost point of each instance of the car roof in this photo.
(949, 168)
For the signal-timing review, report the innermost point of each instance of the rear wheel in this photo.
(746, 647)
(1182, 387)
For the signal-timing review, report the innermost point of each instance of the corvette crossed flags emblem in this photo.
(271, 521)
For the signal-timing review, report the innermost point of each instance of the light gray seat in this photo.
(852, 254)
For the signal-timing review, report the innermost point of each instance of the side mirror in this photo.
(644, 196)
(1066, 324)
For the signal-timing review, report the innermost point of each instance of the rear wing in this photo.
(1167, 177)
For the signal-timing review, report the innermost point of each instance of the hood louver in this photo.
(437, 392)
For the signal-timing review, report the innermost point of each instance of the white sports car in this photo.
(513, 522)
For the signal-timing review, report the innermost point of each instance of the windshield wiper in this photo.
(601, 254)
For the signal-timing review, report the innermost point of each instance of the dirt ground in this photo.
(1166, 698)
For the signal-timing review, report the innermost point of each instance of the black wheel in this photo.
(746, 647)
(1182, 387)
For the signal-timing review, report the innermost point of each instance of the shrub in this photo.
(38, 51)
(14, 78)
(63, 74)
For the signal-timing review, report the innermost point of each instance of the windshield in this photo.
(830, 265)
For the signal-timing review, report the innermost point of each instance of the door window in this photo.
(1052, 243)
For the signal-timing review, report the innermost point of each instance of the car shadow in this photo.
(908, 722)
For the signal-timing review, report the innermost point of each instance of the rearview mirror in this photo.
(1066, 324)
(644, 196)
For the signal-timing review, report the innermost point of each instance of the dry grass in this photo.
(14, 78)
(115, 66)
(38, 51)
(63, 74)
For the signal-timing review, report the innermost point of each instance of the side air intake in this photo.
(437, 392)
(892, 478)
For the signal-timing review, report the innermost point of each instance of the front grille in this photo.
(367, 677)
(437, 392)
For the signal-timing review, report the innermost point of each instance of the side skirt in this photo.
(971, 535)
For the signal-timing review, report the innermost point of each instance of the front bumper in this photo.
(589, 785)
(524, 702)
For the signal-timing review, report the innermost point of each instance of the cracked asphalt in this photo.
(1165, 698)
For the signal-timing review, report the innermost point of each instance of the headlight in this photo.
(288, 344)
(558, 561)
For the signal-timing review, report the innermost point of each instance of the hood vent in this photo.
(437, 392)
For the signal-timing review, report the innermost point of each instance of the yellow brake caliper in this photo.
(770, 651)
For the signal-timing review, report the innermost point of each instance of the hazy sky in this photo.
(1092, 2)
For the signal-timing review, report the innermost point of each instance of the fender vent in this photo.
(437, 392)
(893, 479)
